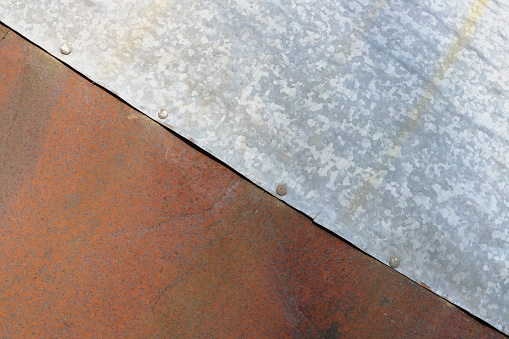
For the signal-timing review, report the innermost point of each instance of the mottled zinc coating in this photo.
(111, 227)
(387, 120)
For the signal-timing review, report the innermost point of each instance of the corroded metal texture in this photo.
(113, 227)
(386, 120)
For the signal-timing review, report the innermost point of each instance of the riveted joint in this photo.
(281, 190)
(65, 49)
(163, 114)
(395, 262)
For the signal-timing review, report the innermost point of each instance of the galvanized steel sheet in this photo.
(386, 120)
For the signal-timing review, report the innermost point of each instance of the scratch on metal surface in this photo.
(253, 262)
(323, 96)
(368, 21)
(464, 34)
(5, 34)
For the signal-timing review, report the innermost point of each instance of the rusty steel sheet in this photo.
(385, 120)
(113, 227)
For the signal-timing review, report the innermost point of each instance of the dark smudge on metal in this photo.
(114, 227)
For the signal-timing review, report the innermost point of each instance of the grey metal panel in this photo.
(387, 120)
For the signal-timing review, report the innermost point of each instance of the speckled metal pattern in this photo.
(386, 120)
(111, 227)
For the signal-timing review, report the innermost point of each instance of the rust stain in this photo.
(114, 227)
(425, 286)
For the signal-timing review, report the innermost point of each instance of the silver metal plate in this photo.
(388, 121)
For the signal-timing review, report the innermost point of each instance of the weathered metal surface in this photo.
(113, 227)
(386, 120)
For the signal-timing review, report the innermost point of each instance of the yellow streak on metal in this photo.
(132, 36)
(448, 60)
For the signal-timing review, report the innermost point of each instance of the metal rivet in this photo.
(394, 262)
(163, 114)
(281, 190)
(65, 49)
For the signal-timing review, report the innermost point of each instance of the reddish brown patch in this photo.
(113, 227)
(426, 286)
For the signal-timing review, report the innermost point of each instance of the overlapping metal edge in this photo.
(386, 120)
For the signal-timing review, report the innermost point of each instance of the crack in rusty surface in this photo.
(107, 235)
(4, 30)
